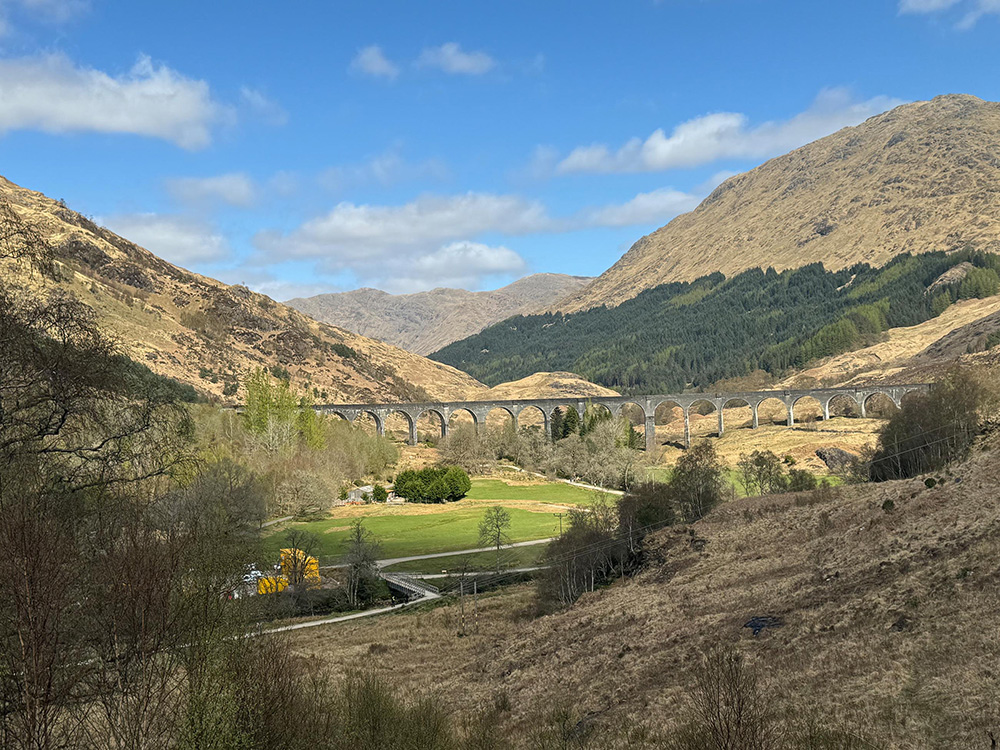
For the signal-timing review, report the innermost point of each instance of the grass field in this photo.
(415, 529)
(517, 557)
(548, 492)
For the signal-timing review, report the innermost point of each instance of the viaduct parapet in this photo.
(648, 405)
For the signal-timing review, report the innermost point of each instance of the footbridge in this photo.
(622, 406)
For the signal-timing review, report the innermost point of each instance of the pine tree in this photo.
(571, 423)
(556, 424)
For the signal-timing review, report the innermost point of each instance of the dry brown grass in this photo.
(156, 319)
(916, 179)
(890, 357)
(545, 385)
(891, 618)
(799, 441)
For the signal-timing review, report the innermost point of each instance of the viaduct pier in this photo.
(620, 406)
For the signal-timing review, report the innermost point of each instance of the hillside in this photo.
(201, 331)
(691, 335)
(964, 328)
(922, 177)
(546, 385)
(426, 321)
(884, 607)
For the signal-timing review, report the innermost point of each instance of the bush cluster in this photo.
(441, 484)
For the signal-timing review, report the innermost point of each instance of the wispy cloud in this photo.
(263, 107)
(462, 265)
(350, 232)
(373, 62)
(52, 94)
(47, 11)
(658, 206)
(973, 10)
(450, 58)
(233, 189)
(179, 239)
(386, 168)
(722, 135)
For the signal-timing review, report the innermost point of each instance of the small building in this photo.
(361, 494)
(366, 495)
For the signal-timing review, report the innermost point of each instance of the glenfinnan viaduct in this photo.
(616, 404)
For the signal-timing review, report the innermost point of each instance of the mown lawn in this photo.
(456, 528)
(415, 529)
(550, 492)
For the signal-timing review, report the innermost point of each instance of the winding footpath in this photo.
(427, 596)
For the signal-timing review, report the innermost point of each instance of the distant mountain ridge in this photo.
(922, 177)
(427, 321)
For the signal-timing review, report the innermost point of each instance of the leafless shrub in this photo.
(730, 708)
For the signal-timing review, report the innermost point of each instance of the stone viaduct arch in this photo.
(618, 405)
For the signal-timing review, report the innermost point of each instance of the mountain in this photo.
(200, 331)
(691, 335)
(921, 177)
(426, 321)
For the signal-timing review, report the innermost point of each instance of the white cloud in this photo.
(462, 265)
(982, 8)
(52, 94)
(723, 135)
(350, 232)
(436, 240)
(975, 9)
(233, 189)
(656, 207)
(372, 61)
(450, 58)
(925, 6)
(50, 11)
(387, 168)
(264, 281)
(266, 109)
(178, 239)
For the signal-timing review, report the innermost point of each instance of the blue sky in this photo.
(321, 146)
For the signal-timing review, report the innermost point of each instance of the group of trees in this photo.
(604, 454)
(303, 459)
(763, 473)
(685, 334)
(931, 430)
(119, 548)
(563, 424)
(434, 484)
(604, 540)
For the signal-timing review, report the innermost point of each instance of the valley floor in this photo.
(887, 596)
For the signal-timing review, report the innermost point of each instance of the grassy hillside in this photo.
(693, 334)
(200, 331)
(920, 178)
(884, 599)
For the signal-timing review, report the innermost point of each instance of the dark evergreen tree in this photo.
(556, 424)
(571, 423)
(689, 335)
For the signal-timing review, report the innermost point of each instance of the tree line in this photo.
(686, 335)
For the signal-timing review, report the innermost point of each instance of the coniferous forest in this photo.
(689, 335)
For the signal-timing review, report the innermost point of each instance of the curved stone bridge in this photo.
(616, 405)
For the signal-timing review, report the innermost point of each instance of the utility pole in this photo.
(461, 605)
(475, 602)
(560, 523)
